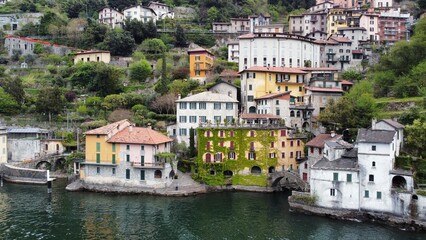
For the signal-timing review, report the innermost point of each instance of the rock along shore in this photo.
(406, 224)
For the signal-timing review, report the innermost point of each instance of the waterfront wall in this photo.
(23, 175)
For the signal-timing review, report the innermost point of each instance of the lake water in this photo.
(27, 212)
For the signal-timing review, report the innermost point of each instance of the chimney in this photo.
(373, 124)
(130, 127)
(179, 96)
(332, 134)
(149, 126)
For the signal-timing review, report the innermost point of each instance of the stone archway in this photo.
(399, 182)
(44, 165)
(271, 169)
(158, 174)
(255, 170)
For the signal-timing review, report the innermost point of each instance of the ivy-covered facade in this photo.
(245, 155)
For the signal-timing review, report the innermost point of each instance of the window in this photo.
(231, 155)
(217, 119)
(98, 147)
(291, 143)
(373, 164)
(272, 144)
(251, 133)
(142, 160)
(182, 119)
(128, 158)
(127, 147)
(98, 157)
(371, 178)
(203, 119)
(348, 177)
(208, 157)
(283, 144)
(271, 155)
(192, 119)
(298, 143)
(291, 154)
(217, 106)
(127, 173)
(202, 105)
(250, 87)
(197, 57)
(113, 147)
(283, 133)
(373, 148)
(231, 133)
(229, 106)
(332, 192)
(283, 155)
(218, 157)
(182, 105)
(113, 171)
(113, 159)
(272, 133)
(335, 176)
(252, 156)
(300, 88)
(277, 112)
(254, 61)
(192, 105)
(221, 133)
(98, 170)
(229, 119)
(250, 98)
(366, 194)
(379, 195)
(182, 132)
(142, 175)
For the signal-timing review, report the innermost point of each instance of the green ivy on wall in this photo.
(242, 141)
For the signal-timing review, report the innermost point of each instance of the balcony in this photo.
(331, 60)
(156, 165)
(331, 53)
(344, 60)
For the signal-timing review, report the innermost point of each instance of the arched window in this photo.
(291, 113)
(158, 174)
(271, 169)
(256, 170)
(228, 173)
(298, 114)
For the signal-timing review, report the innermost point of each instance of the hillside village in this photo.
(134, 96)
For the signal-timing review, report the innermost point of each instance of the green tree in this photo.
(8, 105)
(140, 71)
(180, 37)
(352, 75)
(50, 101)
(416, 137)
(153, 45)
(93, 34)
(113, 102)
(15, 88)
(213, 14)
(119, 43)
(136, 29)
(162, 84)
(192, 149)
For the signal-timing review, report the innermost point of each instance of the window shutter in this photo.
(221, 157)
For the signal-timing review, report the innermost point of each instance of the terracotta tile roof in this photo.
(341, 39)
(33, 40)
(108, 128)
(258, 116)
(229, 73)
(89, 52)
(393, 123)
(199, 49)
(319, 69)
(357, 51)
(346, 82)
(138, 135)
(272, 95)
(320, 140)
(246, 36)
(274, 69)
(318, 89)
(326, 42)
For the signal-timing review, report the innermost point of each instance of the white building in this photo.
(111, 17)
(277, 50)
(140, 13)
(233, 52)
(365, 177)
(3, 145)
(382, 3)
(205, 107)
(161, 10)
(317, 97)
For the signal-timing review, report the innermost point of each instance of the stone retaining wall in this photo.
(23, 175)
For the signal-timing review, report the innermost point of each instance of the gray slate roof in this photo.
(341, 163)
(375, 136)
(26, 130)
(208, 97)
(393, 123)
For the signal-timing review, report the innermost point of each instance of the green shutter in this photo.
(142, 174)
(113, 147)
(98, 147)
(366, 194)
(142, 160)
(349, 178)
(379, 195)
(113, 158)
(98, 157)
(128, 158)
(335, 176)
(127, 173)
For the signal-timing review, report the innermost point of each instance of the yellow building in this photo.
(259, 81)
(98, 150)
(92, 56)
(336, 18)
(200, 63)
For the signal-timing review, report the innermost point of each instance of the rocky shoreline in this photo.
(405, 224)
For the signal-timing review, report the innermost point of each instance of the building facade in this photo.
(26, 46)
(140, 13)
(127, 156)
(200, 64)
(111, 17)
(161, 10)
(244, 155)
(3, 145)
(92, 56)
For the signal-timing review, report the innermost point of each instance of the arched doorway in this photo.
(59, 164)
(399, 182)
(271, 170)
(158, 174)
(228, 173)
(252, 109)
(256, 170)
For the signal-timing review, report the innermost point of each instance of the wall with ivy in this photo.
(241, 166)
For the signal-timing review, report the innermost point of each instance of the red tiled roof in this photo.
(90, 51)
(108, 128)
(199, 49)
(274, 69)
(273, 95)
(137, 135)
(341, 39)
(357, 51)
(258, 116)
(318, 89)
(229, 73)
(31, 40)
(326, 42)
(346, 82)
(320, 139)
(319, 69)
(249, 35)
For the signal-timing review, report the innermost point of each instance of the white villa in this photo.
(140, 13)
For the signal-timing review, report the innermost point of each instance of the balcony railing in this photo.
(148, 165)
